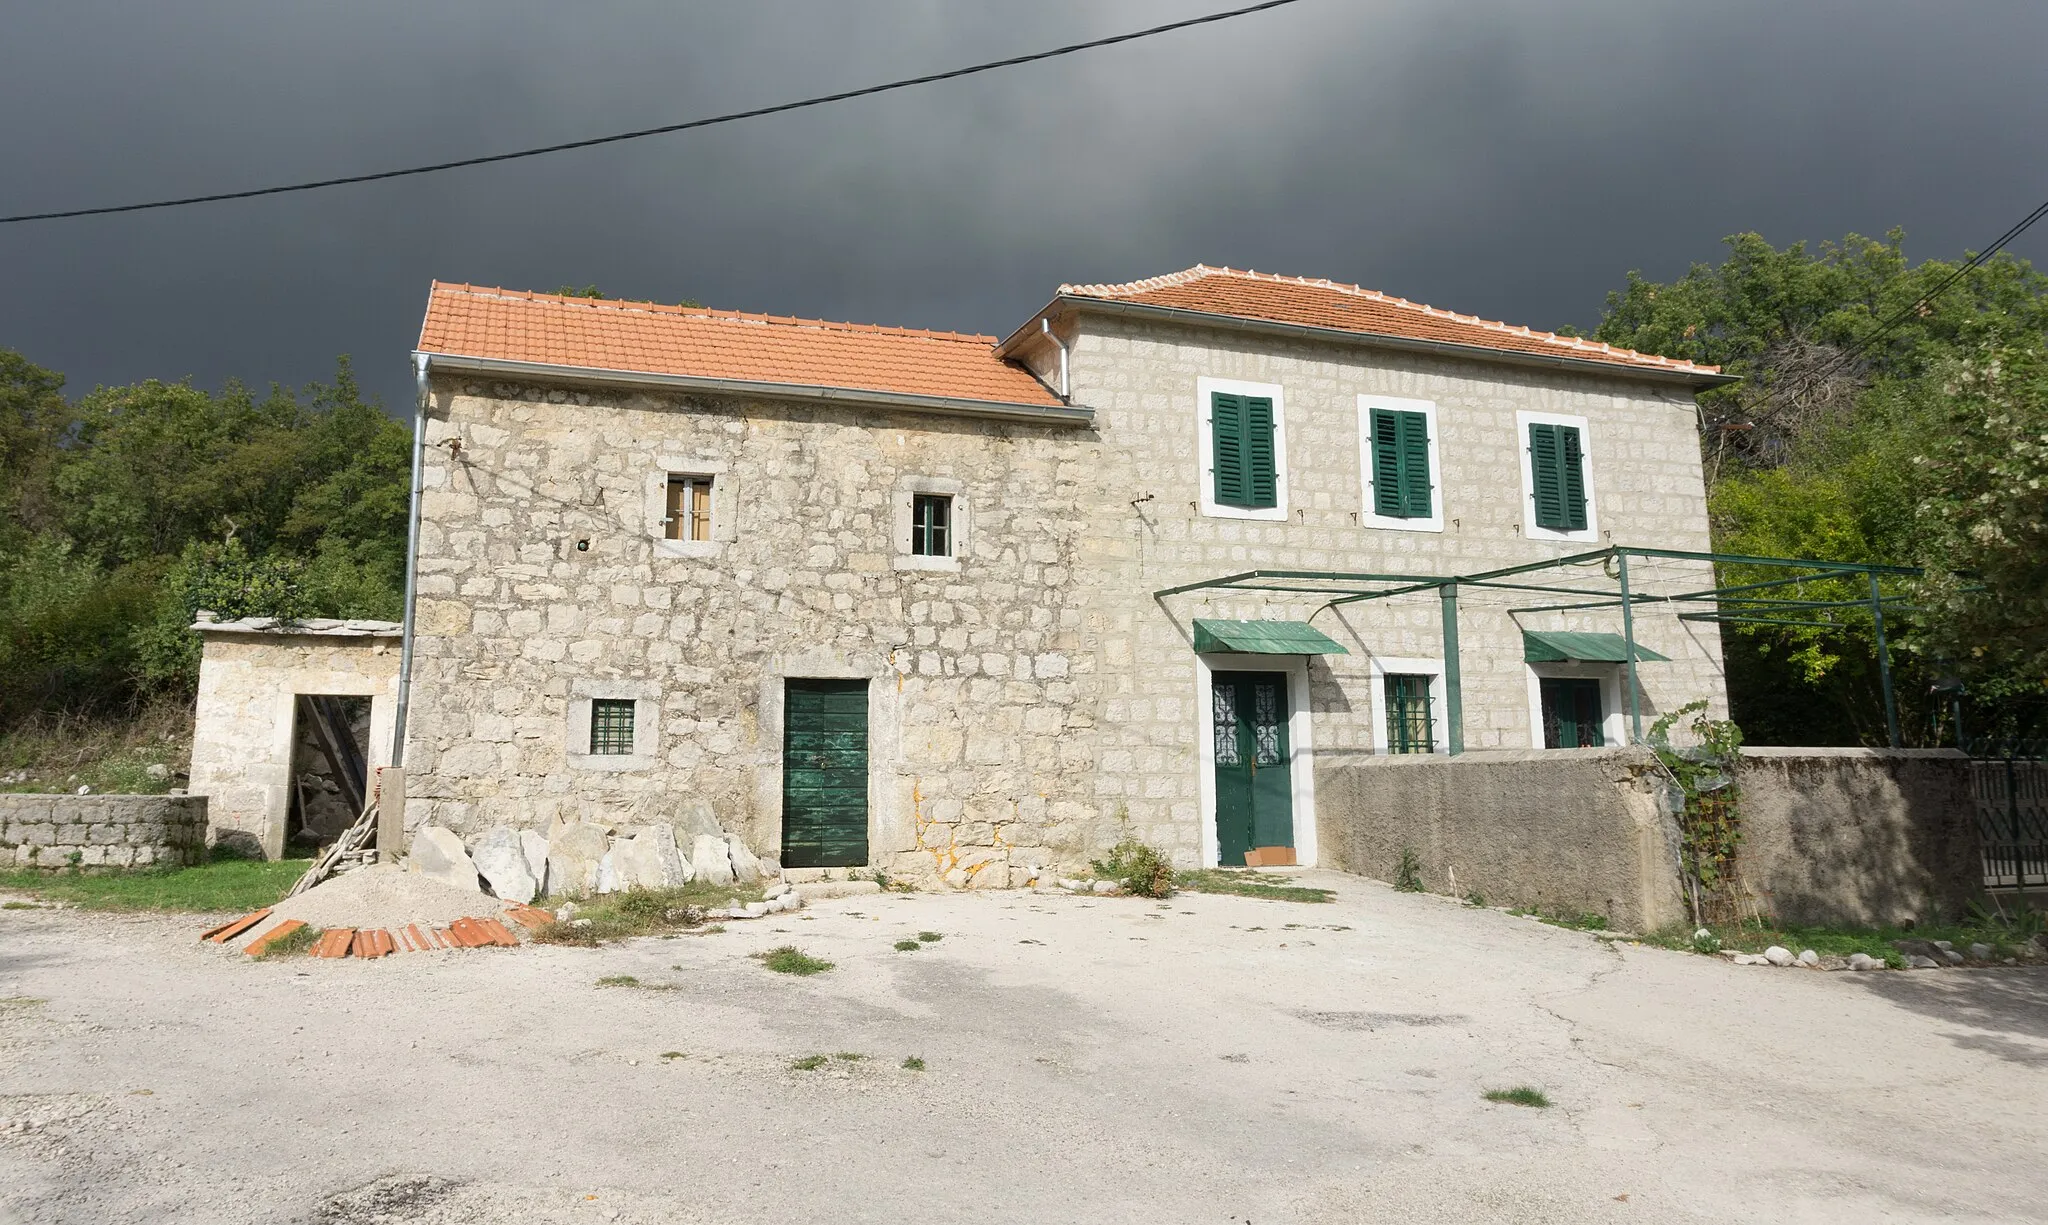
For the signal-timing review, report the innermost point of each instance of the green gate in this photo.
(825, 774)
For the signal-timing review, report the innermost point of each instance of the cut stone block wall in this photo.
(102, 831)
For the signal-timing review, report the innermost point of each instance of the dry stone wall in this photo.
(102, 831)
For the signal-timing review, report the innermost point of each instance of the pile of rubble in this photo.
(578, 859)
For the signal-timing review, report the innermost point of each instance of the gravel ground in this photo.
(1208, 1059)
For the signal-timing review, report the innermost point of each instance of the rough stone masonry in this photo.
(102, 831)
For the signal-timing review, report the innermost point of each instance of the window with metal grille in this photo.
(689, 508)
(1408, 715)
(931, 525)
(611, 726)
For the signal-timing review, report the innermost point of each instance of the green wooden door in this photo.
(1254, 780)
(825, 774)
(1571, 713)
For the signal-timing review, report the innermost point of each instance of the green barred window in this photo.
(1408, 721)
(611, 726)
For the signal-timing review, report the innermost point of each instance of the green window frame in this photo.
(931, 525)
(1410, 719)
(1402, 484)
(1557, 476)
(611, 727)
(1242, 432)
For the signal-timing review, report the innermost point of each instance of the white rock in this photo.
(711, 860)
(1778, 955)
(697, 818)
(771, 868)
(1954, 958)
(756, 909)
(1981, 952)
(1944, 945)
(565, 912)
(1864, 961)
(574, 850)
(793, 900)
(1807, 957)
(608, 880)
(437, 854)
(637, 861)
(1105, 886)
(1915, 961)
(157, 770)
(675, 870)
(746, 867)
(774, 891)
(534, 845)
(501, 860)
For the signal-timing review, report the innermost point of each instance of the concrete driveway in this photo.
(1207, 1059)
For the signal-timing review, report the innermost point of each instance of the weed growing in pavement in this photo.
(931, 937)
(19, 906)
(908, 946)
(848, 1056)
(298, 940)
(1587, 922)
(789, 959)
(1754, 936)
(1243, 882)
(644, 912)
(1140, 869)
(809, 1063)
(1521, 1095)
(618, 980)
(1408, 873)
(1476, 899)
(672, 1055)
(913, 1063)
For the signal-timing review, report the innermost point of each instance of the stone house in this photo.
(904, 599)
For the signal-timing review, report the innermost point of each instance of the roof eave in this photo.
(995, 410)
(1381, 340)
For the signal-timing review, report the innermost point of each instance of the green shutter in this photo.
(1413, 437)
(1260, 462)
(1386, 465)
(1227, 431)
(1573, 463)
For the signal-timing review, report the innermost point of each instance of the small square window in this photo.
(931, 525)
(689, 508)
(611, 727)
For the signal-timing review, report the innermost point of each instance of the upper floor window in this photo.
(689, 508)
(1243, 441)
(1557, 478)
(1398, 448)
(931, 525)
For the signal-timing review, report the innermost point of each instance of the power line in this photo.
(665, 129)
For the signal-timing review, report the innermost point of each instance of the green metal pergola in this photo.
(1785, 599)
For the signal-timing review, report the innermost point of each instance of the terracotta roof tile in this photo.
(650, 338)
(1329, 304)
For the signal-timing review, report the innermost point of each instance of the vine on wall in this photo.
(1710, 822)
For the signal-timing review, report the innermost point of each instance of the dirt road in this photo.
(1102, 1060)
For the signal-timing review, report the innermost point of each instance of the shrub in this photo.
(1408, 874)
(1139, 868)
(1521, 1095)
(789, 959)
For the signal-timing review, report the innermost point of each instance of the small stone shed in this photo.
(246, 726)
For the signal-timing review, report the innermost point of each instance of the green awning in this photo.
(1264, 638)
(1560, 646)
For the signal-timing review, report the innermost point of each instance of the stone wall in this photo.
(250, 676)
(1859, 836)
(102, 831)
(1561, 833)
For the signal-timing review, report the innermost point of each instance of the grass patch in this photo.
(224, 885)
(1587, 922)
(673, 1055)
(908, 946)
(1520, 1095)
(848, 1056)
(643, 912)
(298, 941)
(809, 1063)
(19, 906)
(913, 1063)
(930, 937)
(618, 980)
(1753, 936)
(1244, 882)
(789, 959)
(51, 754)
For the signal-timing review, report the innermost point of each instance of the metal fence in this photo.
(2010, 783)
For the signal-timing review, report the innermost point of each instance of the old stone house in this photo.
(890, 597)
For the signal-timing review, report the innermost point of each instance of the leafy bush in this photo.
(1139, 868)
(789, 959)
(1408, 873)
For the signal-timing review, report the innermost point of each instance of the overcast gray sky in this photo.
(1503, 157)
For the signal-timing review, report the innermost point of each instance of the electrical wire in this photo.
(665, 129)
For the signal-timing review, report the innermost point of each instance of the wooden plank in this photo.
(235, 927)
(275, 934)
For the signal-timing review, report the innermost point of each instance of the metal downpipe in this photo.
(412, 556)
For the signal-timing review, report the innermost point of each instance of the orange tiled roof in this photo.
(650, 338)
(1328, 304)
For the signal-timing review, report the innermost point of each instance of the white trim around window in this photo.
(1613, 727)
(724, 506)
(1523, 420)
(1366, 514)
(1301, 765)
(960, 516)
(1205, 466)
(1382, 666)
(646, 699)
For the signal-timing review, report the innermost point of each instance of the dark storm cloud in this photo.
(1502, 157)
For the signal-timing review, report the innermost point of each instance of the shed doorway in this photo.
(329, 770)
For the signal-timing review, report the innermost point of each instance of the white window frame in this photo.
(1367, 515)
(1301, 763)
(959, 537)
(724, 506)
(1525, 419)
(1206, 387)
(646, 696)
(1439, 723)
(1613, 727)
